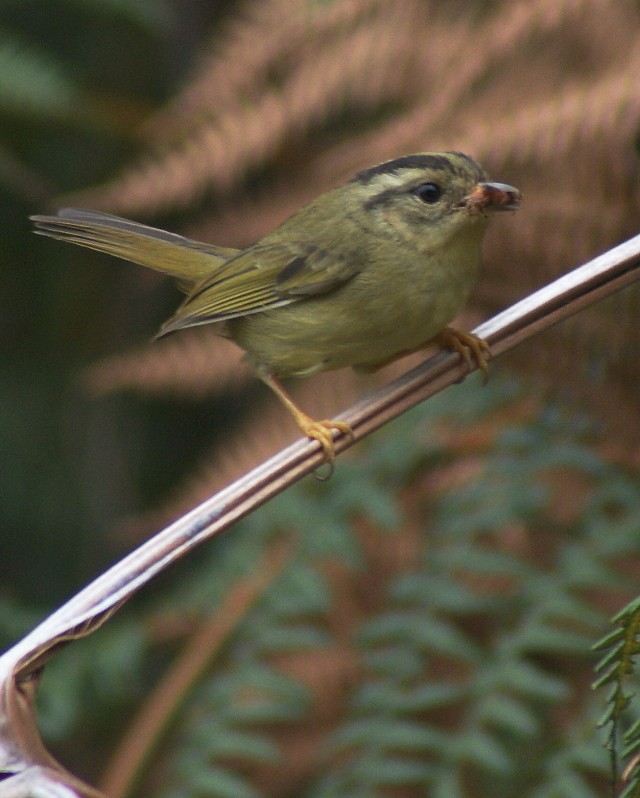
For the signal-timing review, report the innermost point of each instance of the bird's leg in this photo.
(469, 346)
(321, 431)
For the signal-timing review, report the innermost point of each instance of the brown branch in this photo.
(91, 607)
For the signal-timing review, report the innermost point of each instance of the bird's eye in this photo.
(429, 192)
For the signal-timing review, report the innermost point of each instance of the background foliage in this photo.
(422, 624)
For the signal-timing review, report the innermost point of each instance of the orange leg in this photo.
(467, 345)
(321, 431)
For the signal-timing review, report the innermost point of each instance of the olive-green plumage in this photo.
(366, 272)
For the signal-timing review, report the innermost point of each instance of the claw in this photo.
(469, 346)
(322, 431)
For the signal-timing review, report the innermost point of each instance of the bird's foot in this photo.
(323, 432)
(470, 347)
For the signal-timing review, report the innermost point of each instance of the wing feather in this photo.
(262, 277)
(224, 283)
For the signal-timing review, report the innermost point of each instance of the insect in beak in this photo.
(492, 196)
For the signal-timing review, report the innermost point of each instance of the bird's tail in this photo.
(186, 260)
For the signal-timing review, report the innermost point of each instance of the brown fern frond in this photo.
(222, 151)
(586, 113)
(197, 363)
(241, 58)
(497, 66)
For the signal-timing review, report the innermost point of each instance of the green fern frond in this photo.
(617, 667)
(566, 771)
(498, 690)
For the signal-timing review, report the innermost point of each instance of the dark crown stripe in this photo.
(421, 161)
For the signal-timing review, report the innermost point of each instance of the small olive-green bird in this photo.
(366, 273)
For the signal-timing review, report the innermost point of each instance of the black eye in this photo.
(428, 192)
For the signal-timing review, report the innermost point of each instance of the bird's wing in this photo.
(264, 276)
(186, 260)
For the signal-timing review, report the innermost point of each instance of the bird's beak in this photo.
(492, 197)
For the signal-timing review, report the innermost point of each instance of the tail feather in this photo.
(186, 260)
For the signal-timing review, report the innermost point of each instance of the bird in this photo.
(366, 273)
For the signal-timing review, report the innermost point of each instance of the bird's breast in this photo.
(375, 316)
